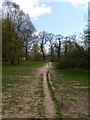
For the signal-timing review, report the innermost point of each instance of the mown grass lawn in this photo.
(72, 89)
(22, 90)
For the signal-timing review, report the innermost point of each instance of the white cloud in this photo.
(40, 10)
(33, 7)
(36, 8)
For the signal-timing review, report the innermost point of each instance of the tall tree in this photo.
(50, 38)
(42, 41)
(58, 44)
(10, 23)
(27, 31)
(17, 31)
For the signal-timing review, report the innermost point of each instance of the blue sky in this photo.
(65, 19)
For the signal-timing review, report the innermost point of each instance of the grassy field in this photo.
(23, 94)
(10, 72)
(22, 90)
(72, 90)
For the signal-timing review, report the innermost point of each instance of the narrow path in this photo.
(49, 105)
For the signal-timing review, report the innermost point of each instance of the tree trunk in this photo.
(66, 47)
(59, 49)
(44, 58)
(12, 60)
(51, 53)
(14, 53)
(18, 60)
(26, 53)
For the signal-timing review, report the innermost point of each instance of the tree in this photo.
(27, 31)
(66, 44)
(10, 30)
(42, 41)
(69, 43)
(17, 32)
(74, 55)
(36, 53)
(58, 45)
(50, 38)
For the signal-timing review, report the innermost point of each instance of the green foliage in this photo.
(66, 61)
(36, 52)
(76, 58)
(17, 30)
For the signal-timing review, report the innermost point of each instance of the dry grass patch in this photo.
(71, 89)
(24, 98)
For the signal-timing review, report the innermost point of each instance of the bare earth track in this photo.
(49, 105)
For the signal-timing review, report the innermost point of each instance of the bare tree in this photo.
(50, 38)
(58, 44)
(42, 40)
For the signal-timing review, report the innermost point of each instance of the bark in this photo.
(59, 49)
(26, 52)
(12, 60)
(44, 58)
(18, 60)
(51, 53)
(66, 48)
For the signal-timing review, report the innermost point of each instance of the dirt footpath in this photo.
(49, 105)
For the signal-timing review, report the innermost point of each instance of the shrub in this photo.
(74, 59)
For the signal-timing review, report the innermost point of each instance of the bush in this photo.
(66, 61)
(74, 59)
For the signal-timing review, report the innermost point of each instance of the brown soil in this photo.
(49, 105)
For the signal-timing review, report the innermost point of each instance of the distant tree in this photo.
(66, 44)
(69, 43)
(74, 55)
(86, 36)
(36, 52)
(42, 40)
(58, 44)
(50, 38)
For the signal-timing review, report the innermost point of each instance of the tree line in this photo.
(17, 32)
(20, 41)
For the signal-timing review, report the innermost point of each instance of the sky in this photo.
(64, 17)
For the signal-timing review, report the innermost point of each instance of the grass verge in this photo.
(71, 86)
(40, 92)
(54, 99)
